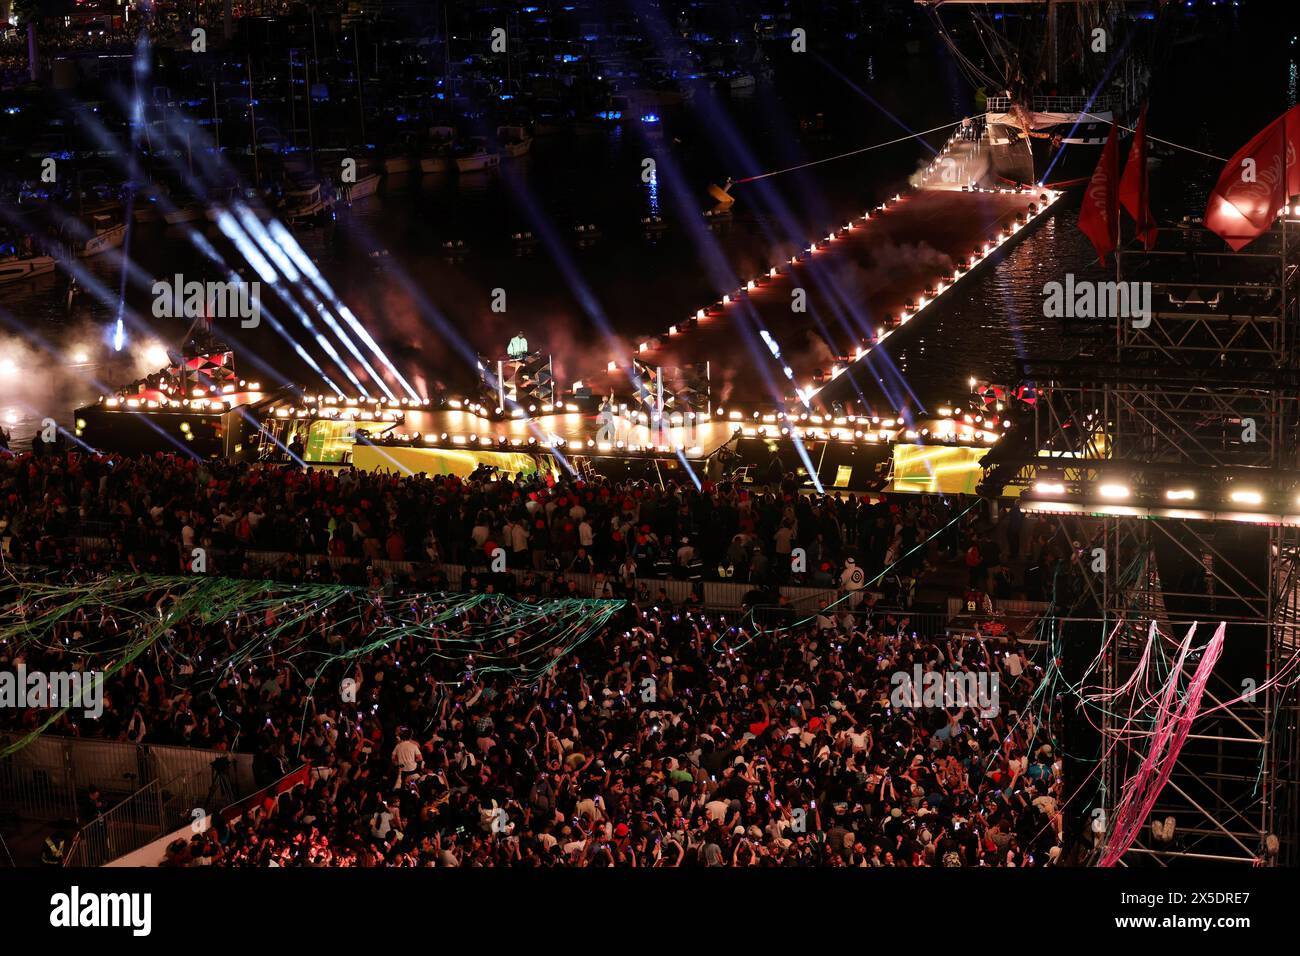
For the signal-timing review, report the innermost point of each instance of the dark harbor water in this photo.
(384, 256)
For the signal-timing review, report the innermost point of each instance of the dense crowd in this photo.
(151, 512)
(669, 737)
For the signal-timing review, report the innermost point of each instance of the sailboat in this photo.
(476, 157)
(399, 157)
(367, 184)
(397, 163)
(515, 140)
(189, 211)
(147, 206)
(22, 263)
(304, 201)
(437, 156)
(107, 230)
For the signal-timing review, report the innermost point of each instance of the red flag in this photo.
(1099, 217)
(1255, 184)
(1133, 195)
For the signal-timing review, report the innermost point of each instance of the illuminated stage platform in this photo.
(866, 281)
(839, 466)
(411, 438)
(934, 454)
(662, 408)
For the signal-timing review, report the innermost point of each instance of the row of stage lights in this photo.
(974, 427)
(213, 399)
(964, 426)
(947, 433)
(353, 409)
(519, 411)
(348, 413)
(752, 285)
(968, 265)
(955, 425)
(507, 443)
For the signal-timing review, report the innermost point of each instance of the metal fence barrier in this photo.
(721, 595)
(126, 827)
(47, 779)
(159, 808)
(37, 783)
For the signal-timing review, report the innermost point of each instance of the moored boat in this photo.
(437, 156)
(305, 201)
(476, 157)
(191, 211)
(366, 185)
(22, 263)
(104, 229)
(515, 140)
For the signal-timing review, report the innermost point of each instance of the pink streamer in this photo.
(1173, 724)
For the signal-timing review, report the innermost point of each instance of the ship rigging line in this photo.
(974, 74)
(900, 139)
(852, 152)
(1156, 139)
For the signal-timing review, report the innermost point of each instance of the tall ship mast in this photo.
(1050, 78)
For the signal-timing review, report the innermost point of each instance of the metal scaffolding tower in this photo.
(1166, 450)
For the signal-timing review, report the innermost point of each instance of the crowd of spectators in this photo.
(670, 737)
(345, 525)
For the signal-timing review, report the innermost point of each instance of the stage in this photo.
(746, 382)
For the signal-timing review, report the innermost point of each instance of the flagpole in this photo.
(1286, 201)
(1142, 183)
(1119, 216)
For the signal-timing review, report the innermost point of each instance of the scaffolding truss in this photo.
(1192, 402)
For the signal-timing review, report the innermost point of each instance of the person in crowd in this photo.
(673, 736)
